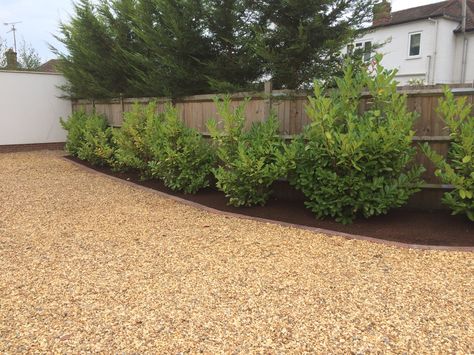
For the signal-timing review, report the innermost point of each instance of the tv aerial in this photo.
(13, 30)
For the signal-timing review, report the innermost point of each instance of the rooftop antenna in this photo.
(13, 30)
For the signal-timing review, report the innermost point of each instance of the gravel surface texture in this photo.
(89, 264)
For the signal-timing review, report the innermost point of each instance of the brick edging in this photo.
(11, 148)
(284, 224)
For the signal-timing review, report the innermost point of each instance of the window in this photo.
(350, 49)
(367, 51)
(415, 44)
(363, 48)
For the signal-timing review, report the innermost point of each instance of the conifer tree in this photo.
(119, 16)
(300, 40)
(175, 48)
(185, 47)
(234, 64)
(195, 46)
(93, 64)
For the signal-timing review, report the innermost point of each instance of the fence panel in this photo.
(289, 108)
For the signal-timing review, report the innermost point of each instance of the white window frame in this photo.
(361, 45)
(414, 56)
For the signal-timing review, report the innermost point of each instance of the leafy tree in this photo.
(300, 40)
(27, 57)
(3, 49)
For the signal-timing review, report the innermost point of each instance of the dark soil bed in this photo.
(410, 226)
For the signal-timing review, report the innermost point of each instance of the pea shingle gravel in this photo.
(89, 264)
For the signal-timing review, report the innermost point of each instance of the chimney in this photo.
(12, 63)
(382, 13)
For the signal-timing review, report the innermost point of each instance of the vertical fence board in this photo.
(208, 112)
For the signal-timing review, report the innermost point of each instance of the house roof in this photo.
(49, 67)
(451, 9)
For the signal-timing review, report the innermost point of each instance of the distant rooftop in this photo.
(49, 67)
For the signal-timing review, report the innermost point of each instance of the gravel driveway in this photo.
(89, 264)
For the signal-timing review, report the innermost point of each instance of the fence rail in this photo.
(289, 106)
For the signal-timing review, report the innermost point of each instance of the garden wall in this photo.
(289, 107)
(30, 108)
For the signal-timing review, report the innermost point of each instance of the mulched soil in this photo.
(89, 264)
(411, 226)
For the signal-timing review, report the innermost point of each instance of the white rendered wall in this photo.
(445, 55)
(469, 59)
(30, 108)
(434, 65)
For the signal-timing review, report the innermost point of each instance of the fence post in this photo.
(268, 99)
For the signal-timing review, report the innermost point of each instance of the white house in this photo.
(432, 43)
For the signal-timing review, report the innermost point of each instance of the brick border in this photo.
(327, 232)
(11, 148)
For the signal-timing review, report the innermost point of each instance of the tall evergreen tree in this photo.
(174, 48)
(300, 40)
(119, 17)
(182, 47)
(94, 65)
(234, 64)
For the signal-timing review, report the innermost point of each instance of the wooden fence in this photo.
(290, 110)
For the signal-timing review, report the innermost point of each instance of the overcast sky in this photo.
(40, 20)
